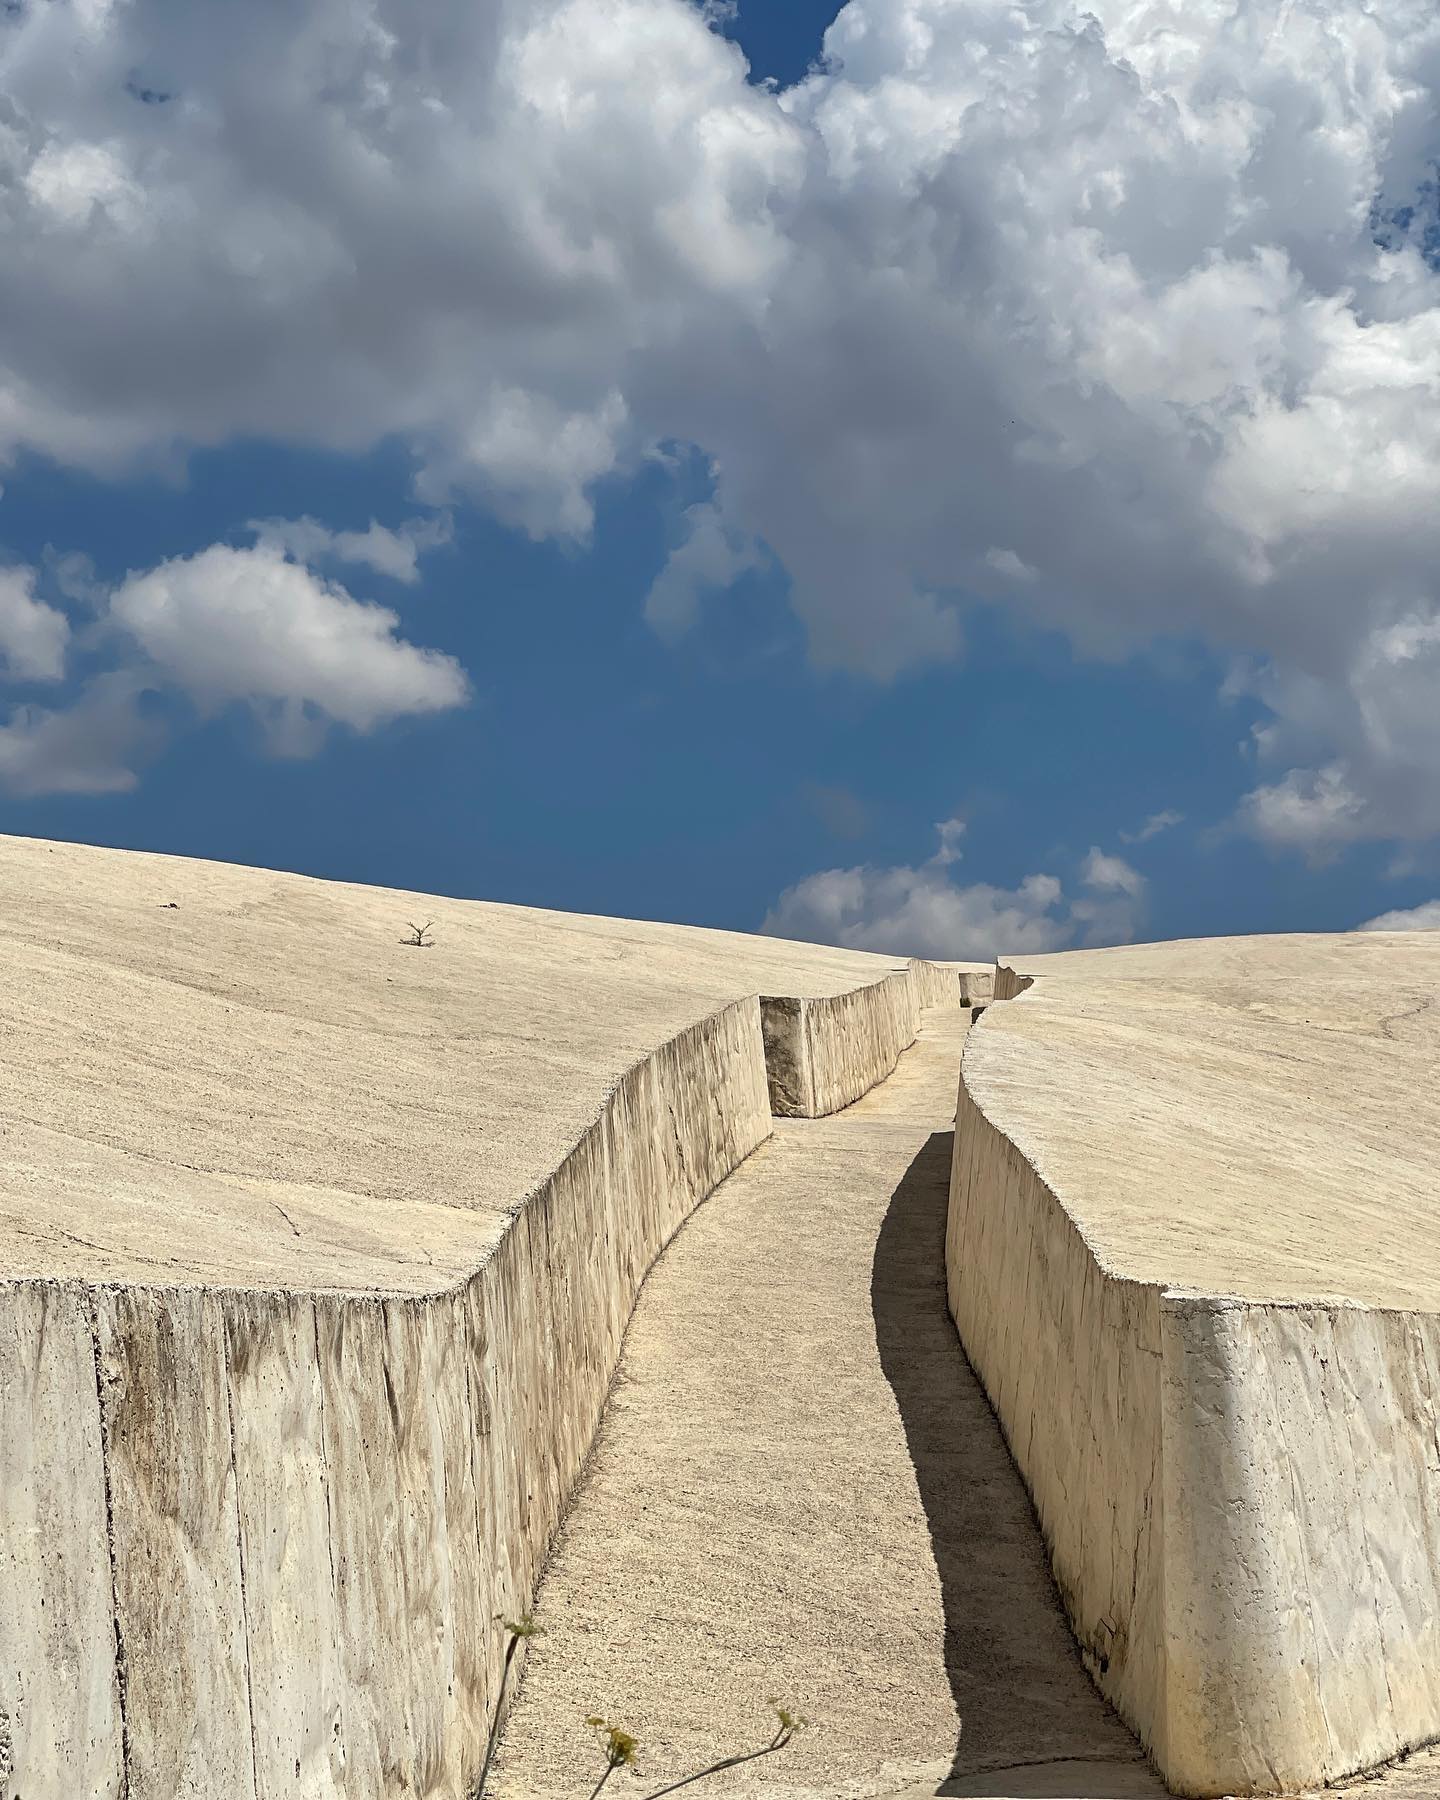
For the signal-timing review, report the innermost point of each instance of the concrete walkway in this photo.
(799, 1490)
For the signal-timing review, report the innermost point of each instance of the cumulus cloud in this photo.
(1153, 826)
(89, 747)
(1111, 874)
(253, 626)
(904, 911)
(1121, 315)
(1111, 909)
(33, 636)
(949, 832)
(1425, 917)
(710, 558)
(920, 912)
(225, 626)
(393, 553)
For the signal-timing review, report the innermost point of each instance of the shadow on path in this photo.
(1032, 1724)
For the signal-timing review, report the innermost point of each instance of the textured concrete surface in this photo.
(1192, 1252)
(224, 1075)
(315, 1258)
(821, 1054)
(799, 1490)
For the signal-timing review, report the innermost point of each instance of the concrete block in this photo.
(1191, 1231)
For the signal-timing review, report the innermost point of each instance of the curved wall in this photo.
(823, 1053)
(257, 1544)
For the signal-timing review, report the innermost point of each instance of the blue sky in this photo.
(1061, 679)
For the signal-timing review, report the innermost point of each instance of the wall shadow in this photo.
(1032, 1723)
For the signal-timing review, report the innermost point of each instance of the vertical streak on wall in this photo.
(281, 1483)
(176, 1544)
(60, 1726)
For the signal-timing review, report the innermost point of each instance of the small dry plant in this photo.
(516, 1629)
(617, 1746)
(417, 938)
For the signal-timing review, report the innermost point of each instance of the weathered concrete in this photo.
(1192, 1253)
(317, 1253)
(799, 1489)
(823, 1053)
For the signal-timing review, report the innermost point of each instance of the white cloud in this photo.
(1153, 826)
(393, 553)
(89, 747)
(1117, 311)
(33, 636)
(1111, 911)
(1008, 564)
(1111, 874)
(922, 911)
(1425, 917)
(710, 558)
(1311, 810)
(949, 832)
(250, 625)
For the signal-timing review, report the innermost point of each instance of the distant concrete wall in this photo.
(977, 987)
(823, 1053)
(1009, 982)
(1242, 1502)
(935, 984)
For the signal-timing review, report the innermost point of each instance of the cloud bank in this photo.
(1123, 316)
(923, 911)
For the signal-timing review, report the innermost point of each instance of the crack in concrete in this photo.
(240, 1557)
(121, 1666)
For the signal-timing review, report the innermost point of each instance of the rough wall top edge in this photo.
(512, 1211)
(419, 1295)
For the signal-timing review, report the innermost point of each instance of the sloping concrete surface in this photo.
(799, 1490)
(1248, 1116)
(1192, 1251)
(236, 1077)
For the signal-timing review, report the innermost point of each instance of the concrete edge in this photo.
(821, 1054)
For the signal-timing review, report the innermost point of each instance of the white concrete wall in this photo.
(977, 987)
(824, 1053)
(1241, 1501)
(935, 984)
(1070, 1360)
(259, 1544)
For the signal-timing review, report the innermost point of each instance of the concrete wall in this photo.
(935, 984)
(824, 1053)
(977, 987)
(1007, 983)
(1241, 1501)
(256, 1544)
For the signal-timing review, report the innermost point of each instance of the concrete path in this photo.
(799, 1490)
